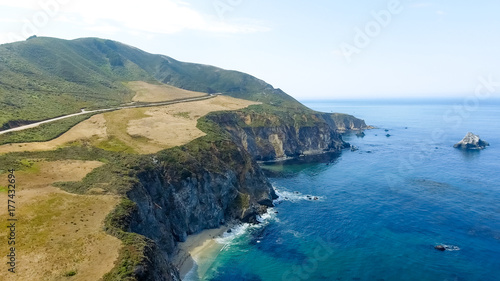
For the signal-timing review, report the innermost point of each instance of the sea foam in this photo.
(240, 230)
(294, 196)
(451, 247)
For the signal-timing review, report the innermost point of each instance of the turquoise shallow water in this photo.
(381, 210)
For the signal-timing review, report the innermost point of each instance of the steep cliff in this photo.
(345, 122)
(184, 190)
(271, 135)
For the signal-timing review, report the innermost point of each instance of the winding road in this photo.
(33, 125)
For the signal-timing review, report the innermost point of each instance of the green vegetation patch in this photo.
(115, 145)
(135, 246)
(132, 255)
(212, 130)
(119, 218)
(30, 165)
(182, 114)
(111, 178)
(70, 273)
(242, 201)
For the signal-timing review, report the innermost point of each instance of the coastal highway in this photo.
(33, 125)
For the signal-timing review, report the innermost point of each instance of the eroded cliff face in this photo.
(344, 122)
(193, 188)
(267, 137)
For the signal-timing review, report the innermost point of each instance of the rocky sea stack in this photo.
(440, 248)
(471, 142)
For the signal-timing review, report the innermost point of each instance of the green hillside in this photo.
(46, 77)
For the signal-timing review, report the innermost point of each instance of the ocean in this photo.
(377, 213)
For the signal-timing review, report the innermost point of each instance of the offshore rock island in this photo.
(164, 181)
(471, 142)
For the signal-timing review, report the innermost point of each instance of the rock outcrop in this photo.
(269, 137)
(345, 122)
(471, 142)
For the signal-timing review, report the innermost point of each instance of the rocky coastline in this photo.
(207, 184)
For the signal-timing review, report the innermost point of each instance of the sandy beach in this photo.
(196, 255)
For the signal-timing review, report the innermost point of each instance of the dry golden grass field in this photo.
(59, 232)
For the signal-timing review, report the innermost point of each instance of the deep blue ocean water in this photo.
(381, 210)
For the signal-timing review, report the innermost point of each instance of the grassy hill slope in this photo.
(46, 77)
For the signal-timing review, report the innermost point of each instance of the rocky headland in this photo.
(271, 136)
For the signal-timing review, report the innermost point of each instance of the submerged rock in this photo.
(360, 134)
(440, 248)
(470, 142)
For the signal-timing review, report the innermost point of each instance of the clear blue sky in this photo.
(426, 48)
